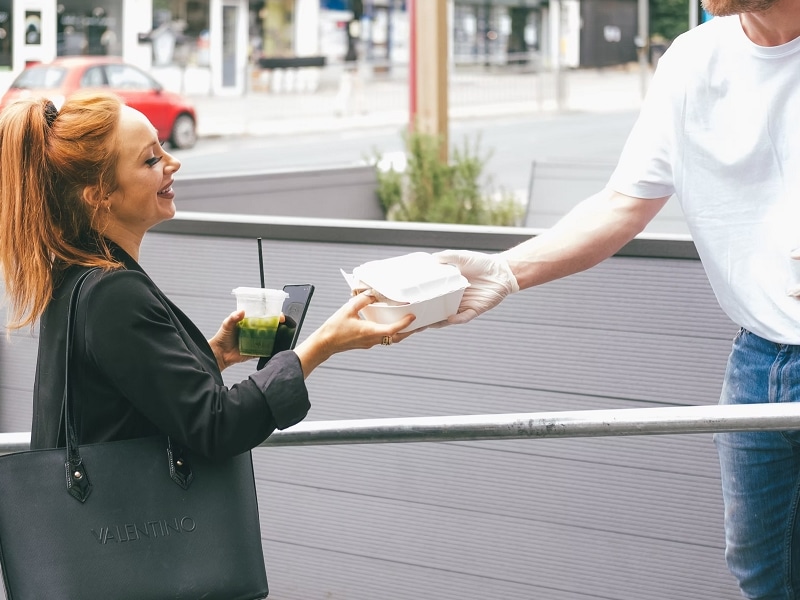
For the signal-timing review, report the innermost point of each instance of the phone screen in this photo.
(295, 307)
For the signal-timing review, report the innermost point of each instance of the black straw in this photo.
(261, 263)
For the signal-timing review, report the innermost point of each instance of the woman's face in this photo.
(143, 196)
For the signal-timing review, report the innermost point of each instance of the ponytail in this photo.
(47, 159)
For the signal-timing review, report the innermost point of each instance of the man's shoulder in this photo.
(708, 36)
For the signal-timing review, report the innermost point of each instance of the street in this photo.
(513, 143)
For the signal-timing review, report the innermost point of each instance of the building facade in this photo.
(211, 46)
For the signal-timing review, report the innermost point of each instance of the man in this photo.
(720, 129)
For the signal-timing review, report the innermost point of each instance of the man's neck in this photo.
(775, 26)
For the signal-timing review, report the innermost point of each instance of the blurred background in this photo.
(530, 91)
(499, 113)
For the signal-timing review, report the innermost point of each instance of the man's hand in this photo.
(490, 281)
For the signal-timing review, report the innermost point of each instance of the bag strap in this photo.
(78, 483)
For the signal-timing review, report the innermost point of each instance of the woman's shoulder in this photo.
(118, 290)
(117, 281)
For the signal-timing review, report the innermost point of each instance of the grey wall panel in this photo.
(586, 562)
(557, 186)
(557, 519)
(17, 368)
(335, 575)
(345, 192)
(541, 339)
(573, 490)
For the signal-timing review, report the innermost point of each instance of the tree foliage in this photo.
(669, 18)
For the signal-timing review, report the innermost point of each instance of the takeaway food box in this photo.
(413, 283)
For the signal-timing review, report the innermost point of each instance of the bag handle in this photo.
(78, 484)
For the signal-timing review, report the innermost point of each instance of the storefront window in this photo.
(5, 34)
(494, 34)
(33, 27)
(180, 32)
(89, 27)
(271, 28)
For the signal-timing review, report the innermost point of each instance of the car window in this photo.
(93, 77)
(126, 77)
(40, 77)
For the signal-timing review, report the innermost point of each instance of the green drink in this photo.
(262, 311)
(257, 335)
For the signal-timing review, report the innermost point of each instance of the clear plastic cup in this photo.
(262, 310)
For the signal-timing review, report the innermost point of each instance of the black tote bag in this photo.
(139, 519)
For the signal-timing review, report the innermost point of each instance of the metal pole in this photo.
(694, 13)
(644, 44)
(412, 64)
(585, 423)
(430, 71)
(558, 66)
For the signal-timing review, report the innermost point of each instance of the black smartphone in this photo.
(295, 307)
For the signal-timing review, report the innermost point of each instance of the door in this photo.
(229, 53)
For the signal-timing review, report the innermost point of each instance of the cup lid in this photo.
(259, 292)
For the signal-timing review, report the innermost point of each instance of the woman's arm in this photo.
(169, 376)
(345, 330)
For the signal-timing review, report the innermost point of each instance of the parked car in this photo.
(172, 115)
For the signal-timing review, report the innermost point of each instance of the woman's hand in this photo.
(225, 343)
(346, 330)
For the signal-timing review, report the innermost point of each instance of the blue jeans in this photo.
(761, 473)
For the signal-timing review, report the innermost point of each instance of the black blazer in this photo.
(140, 367)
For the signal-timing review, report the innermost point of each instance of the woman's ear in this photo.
(93, 197)
(99, 206)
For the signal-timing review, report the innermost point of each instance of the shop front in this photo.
(205, 38)
(6, 34)
(40, 30)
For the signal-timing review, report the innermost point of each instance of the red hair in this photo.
(47, 220)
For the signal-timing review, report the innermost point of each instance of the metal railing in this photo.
(583, 423)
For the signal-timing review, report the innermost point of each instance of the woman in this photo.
(79, 188)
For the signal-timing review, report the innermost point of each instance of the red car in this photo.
(173, 116)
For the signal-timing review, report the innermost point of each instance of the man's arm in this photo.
(591, 232)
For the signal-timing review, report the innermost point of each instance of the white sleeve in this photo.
(645, 167)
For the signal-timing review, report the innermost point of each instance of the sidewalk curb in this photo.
(243, 126)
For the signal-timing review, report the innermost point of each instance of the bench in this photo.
(556, 186)
(278, 74)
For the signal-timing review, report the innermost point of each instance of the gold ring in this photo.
(387, 340)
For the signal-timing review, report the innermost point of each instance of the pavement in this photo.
(332, 100)
(338, 102)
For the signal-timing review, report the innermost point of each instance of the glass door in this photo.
(229, 46)
(230, 17)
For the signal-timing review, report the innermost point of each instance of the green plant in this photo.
(430, 190)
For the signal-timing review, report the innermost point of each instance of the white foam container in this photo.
(414, 283)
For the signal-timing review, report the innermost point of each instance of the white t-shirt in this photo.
(720, 128)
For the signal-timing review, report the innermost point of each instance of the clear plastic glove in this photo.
(490, 279)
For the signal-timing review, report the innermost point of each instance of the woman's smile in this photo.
(167, 193)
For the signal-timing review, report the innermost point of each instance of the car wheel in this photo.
(184, 133)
